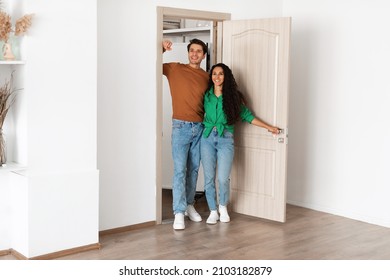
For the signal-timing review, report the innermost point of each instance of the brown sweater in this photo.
(188, 86)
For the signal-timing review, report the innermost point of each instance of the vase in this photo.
(3, 151)
(10, 50)
(7, 51)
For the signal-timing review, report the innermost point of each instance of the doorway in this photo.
(259, 170)
(180, 32)
(175, 16)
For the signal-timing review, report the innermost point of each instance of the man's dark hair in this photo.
(198, 42)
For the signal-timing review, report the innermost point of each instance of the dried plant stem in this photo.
(7, 98)
(3, 152)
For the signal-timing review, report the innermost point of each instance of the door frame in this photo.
(215, 17)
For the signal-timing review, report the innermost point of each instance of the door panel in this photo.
(257, 51)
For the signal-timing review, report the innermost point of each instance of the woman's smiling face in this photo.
(217, 76)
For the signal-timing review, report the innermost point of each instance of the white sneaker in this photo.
(178, 224)
(213, 218)
(224, 218)
(192, 214)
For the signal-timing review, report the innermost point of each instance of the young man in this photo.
(187, 83)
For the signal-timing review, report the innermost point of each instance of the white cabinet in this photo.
(7, 207)
(51, 204)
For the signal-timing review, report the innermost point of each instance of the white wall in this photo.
(339, 97)
(339, 108)
(60, 73)
(127, 101)
(55, 122)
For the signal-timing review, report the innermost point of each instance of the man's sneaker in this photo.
(178, 224)
(213, 218)
(192, 214)
(224, 216)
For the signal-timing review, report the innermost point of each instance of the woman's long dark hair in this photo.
(232, 97)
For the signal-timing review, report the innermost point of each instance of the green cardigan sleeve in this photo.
(246, 115)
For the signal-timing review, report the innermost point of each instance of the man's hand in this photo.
(167, 45)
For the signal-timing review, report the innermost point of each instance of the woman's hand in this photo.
(274, 130)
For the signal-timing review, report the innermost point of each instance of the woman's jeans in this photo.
(186, 160)
(217, 154)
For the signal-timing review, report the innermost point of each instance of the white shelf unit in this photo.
(186, 31)
(12, 62)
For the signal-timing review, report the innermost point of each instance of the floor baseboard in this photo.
(53, 255)
(127, 228)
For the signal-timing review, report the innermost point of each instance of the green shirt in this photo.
(215, 116)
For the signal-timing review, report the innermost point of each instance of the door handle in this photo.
(281, 139)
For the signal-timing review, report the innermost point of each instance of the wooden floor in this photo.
(306, 235)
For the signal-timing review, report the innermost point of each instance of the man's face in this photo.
(196, 54)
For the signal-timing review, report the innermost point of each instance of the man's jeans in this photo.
(186, 160)
(217, 152)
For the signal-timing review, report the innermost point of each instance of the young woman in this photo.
(224, 104)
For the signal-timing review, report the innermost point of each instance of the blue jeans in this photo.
(186, 160)
(217, 154)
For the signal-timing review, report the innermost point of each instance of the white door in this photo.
(257, 51)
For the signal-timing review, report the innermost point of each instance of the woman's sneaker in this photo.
(213, 218)
(224, 216)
